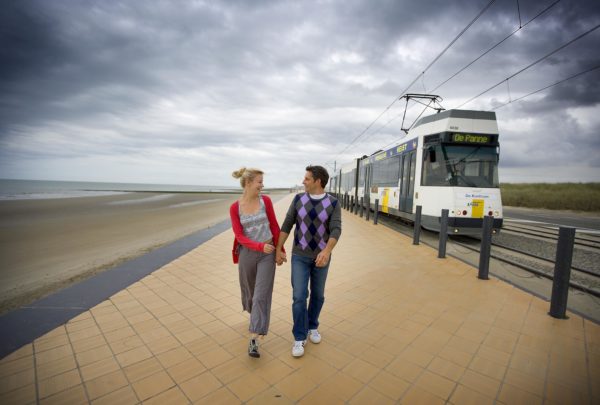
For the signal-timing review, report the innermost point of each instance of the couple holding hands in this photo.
(258, 247)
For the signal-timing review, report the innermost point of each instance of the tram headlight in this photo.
(496, 213)
(464, 212)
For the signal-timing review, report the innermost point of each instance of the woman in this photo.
(256, 234)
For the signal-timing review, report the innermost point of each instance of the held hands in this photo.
(322, 258)
(280, 257)
(268, 248)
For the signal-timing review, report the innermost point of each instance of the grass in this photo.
(559, 196)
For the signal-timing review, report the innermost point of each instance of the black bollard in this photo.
(362, 207)
(443, 234)
(368, 208)
(417, 230)
(486, 247)
(562, 272)
(376, 211)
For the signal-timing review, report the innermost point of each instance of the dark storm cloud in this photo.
(94, 78)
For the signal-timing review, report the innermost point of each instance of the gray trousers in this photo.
(257, 274)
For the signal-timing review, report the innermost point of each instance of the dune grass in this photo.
(559, 196)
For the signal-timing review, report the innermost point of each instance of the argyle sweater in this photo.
(316, 221)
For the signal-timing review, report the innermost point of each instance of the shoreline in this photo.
(49, 244)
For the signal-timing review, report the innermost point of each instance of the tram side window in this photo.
(386, 172)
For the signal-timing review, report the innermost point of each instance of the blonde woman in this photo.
(256, 234)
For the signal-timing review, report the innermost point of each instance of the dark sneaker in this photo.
(253, 349)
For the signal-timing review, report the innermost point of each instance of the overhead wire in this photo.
(419, 75)
(547, 87)
(531, 64)
(494, 47)
(474, 60)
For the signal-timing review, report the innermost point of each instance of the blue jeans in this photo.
(303, 271)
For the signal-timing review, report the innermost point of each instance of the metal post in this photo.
(352, 204)
(368, 207)
(417, 230)
(376, 212)
(486, 247)
(443, 234)
(362, 206)
(562, 272)
(346, 201)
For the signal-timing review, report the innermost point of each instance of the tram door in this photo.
(407, 181)
(367, 180)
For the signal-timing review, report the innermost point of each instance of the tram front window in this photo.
(460, 166)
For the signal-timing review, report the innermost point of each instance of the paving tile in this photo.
(200, 386)
(274, 371)
(361, 370)
(88, 343)
(342, 385)
(44, 344)
(214, 357)
(563, 394)
(105, 384)
(435, 384)
(152, 385)
(99, 368)
(17, 365)
(247, 386)
(230, 370)
(122, 396)
(418, 396)
(480, 383)
(73, 395)
(269, 396)
(142, 369)
(58, 383)
(17, 380)
(389, 385)
(221, 396)
(53, 354)
(49, 369)
(487, 368)
(93, 355)
(466, 396)
(295, 386)
(23, 395)
(510, 394)
(133, 356)
(405, 370)
(525, 382)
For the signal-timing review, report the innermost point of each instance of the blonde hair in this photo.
(246, 175)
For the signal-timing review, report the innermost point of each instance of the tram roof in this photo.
(470, 114)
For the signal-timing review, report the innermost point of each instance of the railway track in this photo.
(530, 247)
(550, 233)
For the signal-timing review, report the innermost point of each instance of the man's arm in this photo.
(324, 255)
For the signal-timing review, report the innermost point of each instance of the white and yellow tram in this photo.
(448, 161)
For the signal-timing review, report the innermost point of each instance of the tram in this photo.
(448, 161)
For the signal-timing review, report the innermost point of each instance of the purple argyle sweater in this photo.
(316, 221)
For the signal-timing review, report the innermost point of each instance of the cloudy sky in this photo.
(184, 92)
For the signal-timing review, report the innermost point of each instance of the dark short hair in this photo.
(319, 172)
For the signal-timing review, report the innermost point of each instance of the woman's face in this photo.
(256, 184)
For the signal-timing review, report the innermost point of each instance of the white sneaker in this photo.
(298, 348)
(314, 336)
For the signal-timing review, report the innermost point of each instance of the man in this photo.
(318, 220)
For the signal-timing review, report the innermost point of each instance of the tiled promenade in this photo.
(398, 326)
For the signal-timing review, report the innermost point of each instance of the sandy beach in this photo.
(48, 244)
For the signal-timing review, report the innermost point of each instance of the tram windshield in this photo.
(460, 166)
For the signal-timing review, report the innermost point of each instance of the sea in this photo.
(46, 189)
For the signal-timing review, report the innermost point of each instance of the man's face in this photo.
(310, 185)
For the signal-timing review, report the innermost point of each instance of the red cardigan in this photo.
(238, 230)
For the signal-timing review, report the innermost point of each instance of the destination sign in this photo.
(472, 138)
(396, 150)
